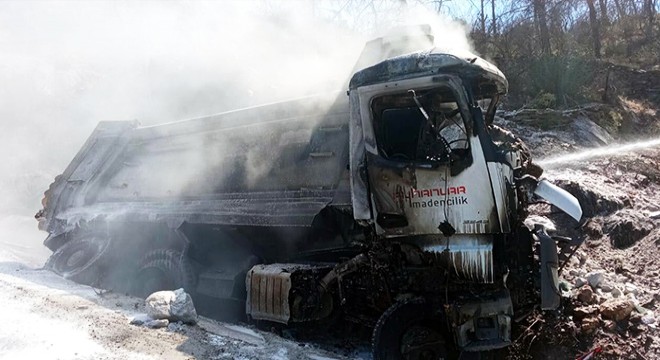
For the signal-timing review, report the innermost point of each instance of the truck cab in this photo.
(433, 174)
(427, 174)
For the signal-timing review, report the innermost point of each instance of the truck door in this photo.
(423, 167)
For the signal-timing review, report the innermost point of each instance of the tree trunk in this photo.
(605, 20)
(633, 4)
(483, 18)
(619, 9)
(492, 10)
(649, 10)
(542, 23)
(595, 31)
(624, 24)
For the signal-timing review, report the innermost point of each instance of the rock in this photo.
(584, 311)
(648, 319)
(606, 287)
(157, 323)
(589, 325)
(635, 318)
(531, 220)
(172, 305)
(591, 200)
(595, 278)
(140, 319)
(594, 228)
(158, 304)
(582, 272)
(579, 282)
(627, 227)
(616, 292)
(586, 295)
(629, 288)
(590, 133)
(176, 327)
(616, 309)
(609, 325)
(183, 308)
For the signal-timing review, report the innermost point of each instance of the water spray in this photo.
(616, 149)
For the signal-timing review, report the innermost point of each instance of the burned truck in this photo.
(397, 205)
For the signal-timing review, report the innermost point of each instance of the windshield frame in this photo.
(367, 95)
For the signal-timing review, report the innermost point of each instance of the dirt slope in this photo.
(611, 286)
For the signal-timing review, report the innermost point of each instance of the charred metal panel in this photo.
(481, 73)
(470, 257)
(414, 199)
(428, 197)
(268, 288)
(90, 165)
(483, 325)
(295, 208)
(501, 176)
(358, 165)
(289, 155)
(273, 165)
(63, 193)
(286, 292)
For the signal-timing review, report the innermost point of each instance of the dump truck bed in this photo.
(272, 165)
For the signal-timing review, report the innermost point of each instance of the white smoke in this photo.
(66, 65)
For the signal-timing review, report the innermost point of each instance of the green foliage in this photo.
(544, 100)
(612, 122)
(560, 76)
(551, 121)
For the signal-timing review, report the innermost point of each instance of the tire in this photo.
(81, 260)
(408, 330)
(164, 269)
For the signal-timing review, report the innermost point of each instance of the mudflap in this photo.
(550, 294)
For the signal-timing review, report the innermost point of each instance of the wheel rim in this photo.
(79, 257)
(76, 259)
(422, 343)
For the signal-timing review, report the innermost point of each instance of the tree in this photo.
(649, 11)
(540, 16)
(605, 20)
(595, 31)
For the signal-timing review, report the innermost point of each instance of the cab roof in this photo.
(484, 78)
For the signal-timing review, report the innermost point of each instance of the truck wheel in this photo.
(408, 330)
(164, 269)
(80, 259)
